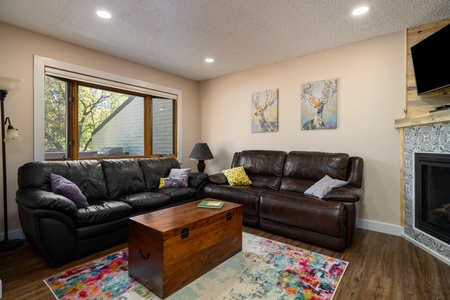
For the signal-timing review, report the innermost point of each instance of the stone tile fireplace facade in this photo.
(430, 138)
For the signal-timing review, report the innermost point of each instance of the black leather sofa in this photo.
(115, 190)
(276, 200)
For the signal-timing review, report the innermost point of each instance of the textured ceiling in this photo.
(177, 35)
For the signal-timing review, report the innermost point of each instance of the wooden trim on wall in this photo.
(417, 108)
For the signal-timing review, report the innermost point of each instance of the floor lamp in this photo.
(11, 135)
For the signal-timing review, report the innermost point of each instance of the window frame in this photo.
(103, 80)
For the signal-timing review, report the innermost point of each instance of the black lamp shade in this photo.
(201, 152)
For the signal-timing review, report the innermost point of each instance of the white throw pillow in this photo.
(178, 172)
(323, 186)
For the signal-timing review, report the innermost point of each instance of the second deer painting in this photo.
(318, 105)
(265, 111)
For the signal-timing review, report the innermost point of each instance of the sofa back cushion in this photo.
(86, 174)
(302, 169)
(123, 177)
(156, 168)
(263, 167)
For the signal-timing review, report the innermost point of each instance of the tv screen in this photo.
(431, 61)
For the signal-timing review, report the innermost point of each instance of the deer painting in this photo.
(261, 107)
(327, 92)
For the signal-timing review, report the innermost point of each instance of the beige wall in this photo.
(16, 60)
(371, 93)
(371, 81)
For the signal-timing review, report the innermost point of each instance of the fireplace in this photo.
(432, 194)
(427, 139)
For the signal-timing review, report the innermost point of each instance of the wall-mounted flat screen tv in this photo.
(431, 61)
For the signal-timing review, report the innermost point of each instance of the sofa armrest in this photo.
(345, 194)
(40, 199)
(218, 178)
(196, 180)
(356, 165)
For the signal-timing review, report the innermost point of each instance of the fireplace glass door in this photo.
(432, 194)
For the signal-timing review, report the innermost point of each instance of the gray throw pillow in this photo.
(323, 186)
(68, 189)
(174, 172)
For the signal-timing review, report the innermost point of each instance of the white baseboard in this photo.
(13, 235)
(380, 227)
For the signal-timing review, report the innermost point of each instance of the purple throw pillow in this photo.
(67, 188)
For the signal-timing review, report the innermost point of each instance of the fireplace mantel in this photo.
(433, 117)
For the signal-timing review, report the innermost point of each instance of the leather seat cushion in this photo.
(145, 200)
(245, 195)
(304, 212)
(177, 194)
(102, 211)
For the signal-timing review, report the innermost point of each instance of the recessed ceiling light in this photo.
(360, 10)
(103, 14)
(209, 60)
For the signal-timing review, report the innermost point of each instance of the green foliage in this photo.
(94, 107)
(55, 114)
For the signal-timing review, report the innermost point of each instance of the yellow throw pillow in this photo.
(237, 176)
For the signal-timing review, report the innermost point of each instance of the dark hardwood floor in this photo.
(380, 266)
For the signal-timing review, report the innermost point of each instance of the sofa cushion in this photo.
(123, 176)
(68, 189)
(264, 168)
(315, 165)
(86, 174)
(156, 168)
(302, 169)
(178, 194)
(323, 186)
(102, 211)
(237, 176)
(304, 213)
(145, 201)
(248, 196)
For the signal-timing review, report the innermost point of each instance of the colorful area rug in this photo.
(265, 269)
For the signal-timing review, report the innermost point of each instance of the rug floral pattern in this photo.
(265, 269)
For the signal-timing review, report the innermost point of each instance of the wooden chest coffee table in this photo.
(172, 247)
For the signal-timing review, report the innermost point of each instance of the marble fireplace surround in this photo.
(429, 138)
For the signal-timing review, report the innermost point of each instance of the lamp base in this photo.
(201, 166)
(7, 245)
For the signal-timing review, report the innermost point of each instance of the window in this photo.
(94, 118)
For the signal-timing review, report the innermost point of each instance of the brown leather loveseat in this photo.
(276, 200)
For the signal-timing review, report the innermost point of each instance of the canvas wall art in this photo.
(319, 105)
(264, 111)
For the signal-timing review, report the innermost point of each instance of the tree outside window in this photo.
(84, 121)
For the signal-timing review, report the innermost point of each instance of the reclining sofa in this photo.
(276, 201)
(115, 190)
